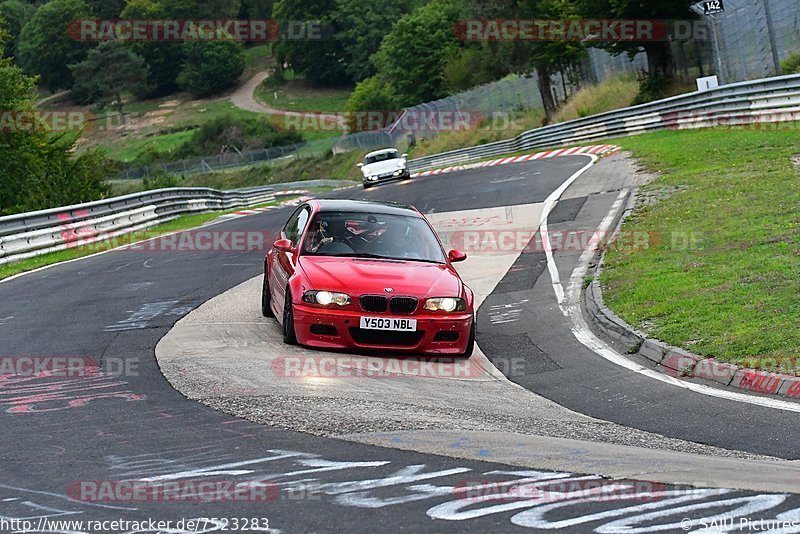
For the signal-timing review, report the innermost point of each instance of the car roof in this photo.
(365, 206)
(381, 151)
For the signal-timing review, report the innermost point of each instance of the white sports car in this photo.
(382, 165)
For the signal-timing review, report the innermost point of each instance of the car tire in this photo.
(367, 186)
(471, 341)
(289, 336)
(266, 301)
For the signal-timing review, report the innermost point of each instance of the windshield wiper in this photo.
(391, 258)
(366, 255)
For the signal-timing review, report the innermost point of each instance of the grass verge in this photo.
(721, 274)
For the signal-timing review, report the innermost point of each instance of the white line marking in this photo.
(549, 203)
(583, 334)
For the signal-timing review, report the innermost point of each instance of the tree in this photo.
(201, 9)
(38, 169)
(45, 47)
(372, 94)
(470, 66)
(320, 60)
(523, 57)
(414, 54)
(15, 14)
(211, 67)
(360, 28)
(163, 59)
(660, 61)
(106, 9)
(256, 9)
(108, 71)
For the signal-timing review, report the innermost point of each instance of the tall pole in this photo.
(715, 42)
(773, 44)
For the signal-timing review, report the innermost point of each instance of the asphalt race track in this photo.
(114, 309)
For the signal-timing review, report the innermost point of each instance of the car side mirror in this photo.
(456, 255)
(359, 164)
(283, 245)
(403, 155)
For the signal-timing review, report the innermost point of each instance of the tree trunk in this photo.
(120, 110)
(660, 61)
(543, 81)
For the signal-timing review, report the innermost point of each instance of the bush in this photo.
(373, 94)
(225, 133)
(161, 181)
(652, 88)
(249, 133)
(210, 67)
(791, 64)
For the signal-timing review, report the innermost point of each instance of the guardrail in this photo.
(31, 234)
(759, 101)
(768, 101)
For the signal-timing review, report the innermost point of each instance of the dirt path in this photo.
(244, 98)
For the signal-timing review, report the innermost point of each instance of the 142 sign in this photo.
(713, 6)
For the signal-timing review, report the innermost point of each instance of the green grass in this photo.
(257, 58)
(129, 150)
(733, 293)
(184, 222)
(614, 93)
(296, 95)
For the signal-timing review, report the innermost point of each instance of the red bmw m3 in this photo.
(348, 274)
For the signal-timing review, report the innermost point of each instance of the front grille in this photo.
(403, 305)
(373, 303)
(386, 337)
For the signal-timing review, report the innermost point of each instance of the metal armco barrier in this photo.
(31, 234)
(769, 100)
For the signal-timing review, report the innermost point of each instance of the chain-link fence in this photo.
(745, 42)
(754, 36)
(230, 159)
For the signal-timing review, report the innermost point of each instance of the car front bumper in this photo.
(445, 334)
(379, 179)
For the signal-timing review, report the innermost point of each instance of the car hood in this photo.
(357, 276)
(381, 167)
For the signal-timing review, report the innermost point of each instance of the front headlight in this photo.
(326, 298)
(445, 304)
(398, 172)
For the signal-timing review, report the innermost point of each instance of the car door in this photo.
(283, 263)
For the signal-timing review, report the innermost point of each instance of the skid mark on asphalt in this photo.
(49, 391)
(530, 499)
(144, 316)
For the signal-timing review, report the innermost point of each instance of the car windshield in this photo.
(372, 235)
(383, 156)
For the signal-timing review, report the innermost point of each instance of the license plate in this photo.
(389, 323)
